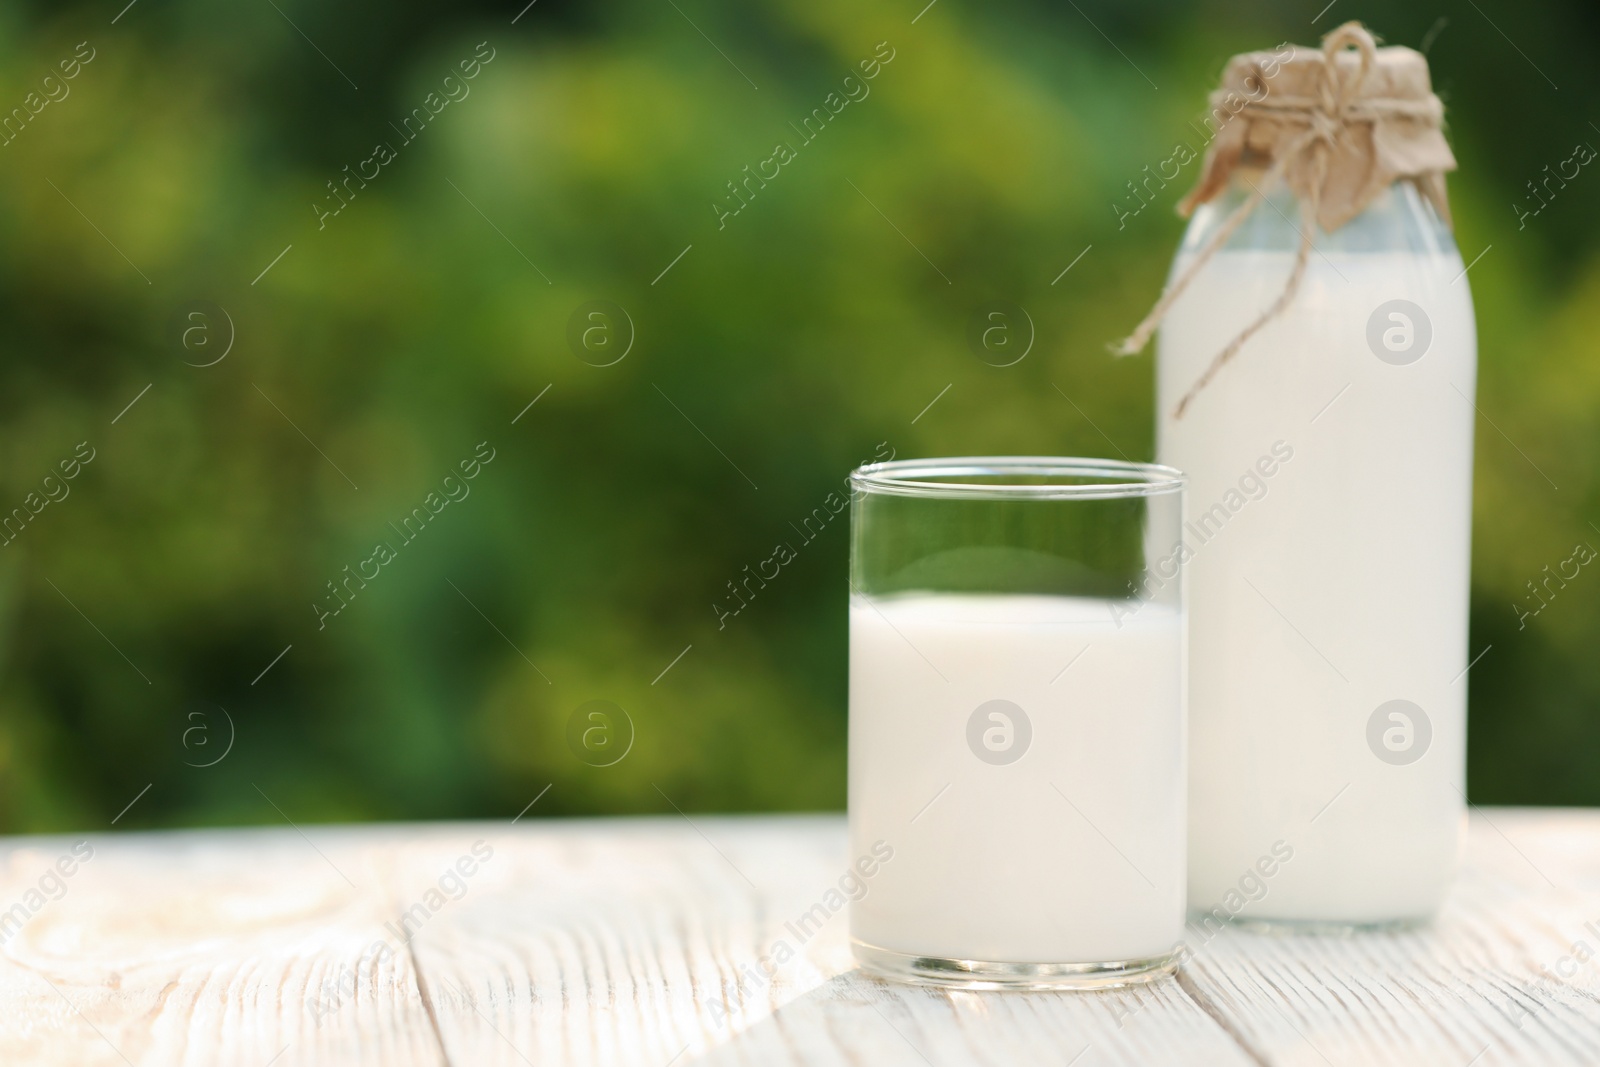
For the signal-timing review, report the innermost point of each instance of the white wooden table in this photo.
(623, 942)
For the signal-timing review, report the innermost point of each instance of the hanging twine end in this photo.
(1128, 346)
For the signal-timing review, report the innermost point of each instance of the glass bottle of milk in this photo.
(1330, 483)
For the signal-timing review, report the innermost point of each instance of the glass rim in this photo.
(1105, 479)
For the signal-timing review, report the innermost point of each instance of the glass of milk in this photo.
(1017, 722)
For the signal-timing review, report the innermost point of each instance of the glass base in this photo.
(979, 974)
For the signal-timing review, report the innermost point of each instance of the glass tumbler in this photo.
(1017, 726)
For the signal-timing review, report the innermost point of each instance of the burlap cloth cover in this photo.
(1339, 125)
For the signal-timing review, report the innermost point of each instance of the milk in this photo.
(1338, 587)
(1072, 851)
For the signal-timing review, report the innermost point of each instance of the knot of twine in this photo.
(1325, 117)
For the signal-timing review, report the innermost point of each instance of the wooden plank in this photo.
(1506, 974)
(205, 948)
(640, 942)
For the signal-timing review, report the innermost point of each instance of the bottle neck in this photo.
(1399, 219)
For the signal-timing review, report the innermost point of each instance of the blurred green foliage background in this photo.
(799, 338)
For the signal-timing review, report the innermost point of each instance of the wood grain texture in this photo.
(640, 942)
(205, 948)
(1496, 979)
